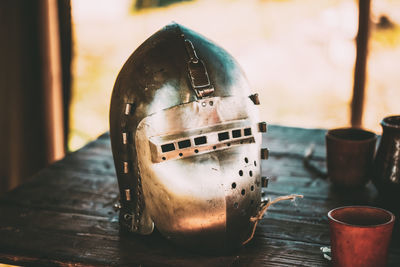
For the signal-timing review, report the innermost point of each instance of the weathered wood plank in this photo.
(117, 249)
(78, 192)
(322, 189)
(44, 234)
(64, 214)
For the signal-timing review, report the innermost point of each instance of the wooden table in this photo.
(65, 215)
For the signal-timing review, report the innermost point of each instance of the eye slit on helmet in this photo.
(247, 131)
(184, 143)
(223, 136)
(236, 133)
(200, 140)
(168, 147)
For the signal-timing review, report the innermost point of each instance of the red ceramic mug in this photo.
(349, 156)
(360, 235)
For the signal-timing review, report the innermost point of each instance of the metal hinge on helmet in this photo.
(198, 75)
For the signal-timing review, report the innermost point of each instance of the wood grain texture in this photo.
(63, 216)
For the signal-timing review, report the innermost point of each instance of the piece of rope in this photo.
(264, 209)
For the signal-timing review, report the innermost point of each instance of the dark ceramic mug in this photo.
(387, 161)
(350, 154)
(360, 235)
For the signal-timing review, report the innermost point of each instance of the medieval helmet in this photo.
(186, 141)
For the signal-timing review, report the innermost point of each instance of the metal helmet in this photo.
(186, 142)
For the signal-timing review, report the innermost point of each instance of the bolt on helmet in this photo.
(186, 141)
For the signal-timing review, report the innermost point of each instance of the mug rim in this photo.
(330, 134)
(385, 122)
(390, 221)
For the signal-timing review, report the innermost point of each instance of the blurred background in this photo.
(60, 59)
(299, 55)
